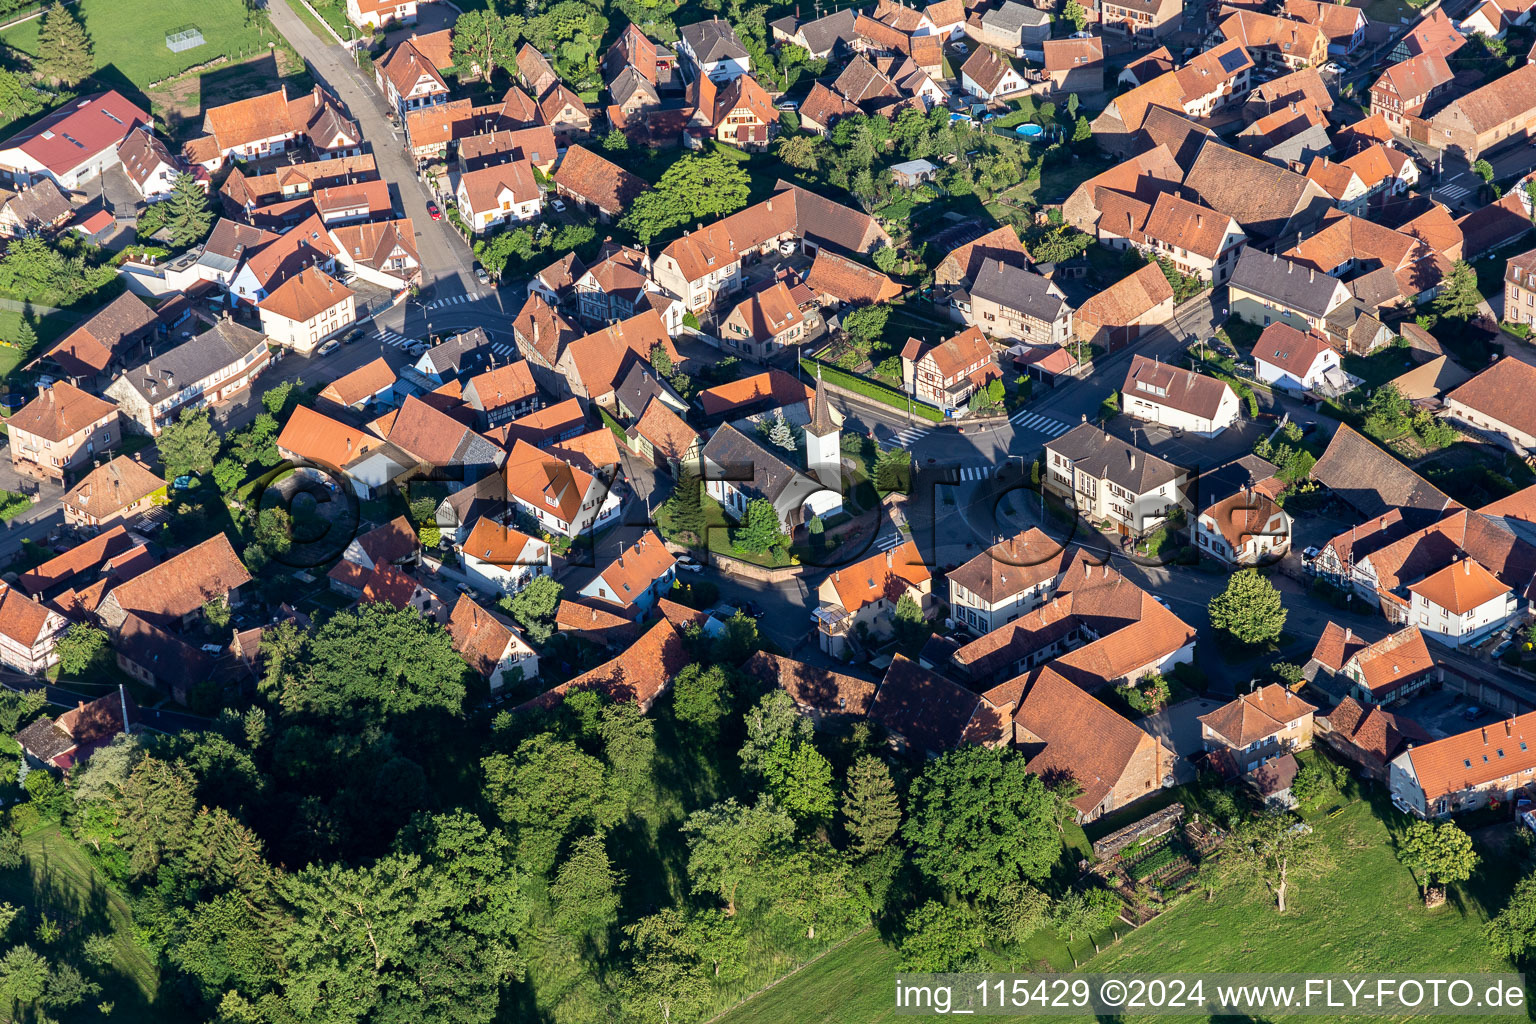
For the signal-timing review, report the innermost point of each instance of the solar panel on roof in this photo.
(1231, 60)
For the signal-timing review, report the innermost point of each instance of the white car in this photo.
(687, 564)
(959, 47)
(787, 105)
(328, 347)
(1334, 68)
(558, 205)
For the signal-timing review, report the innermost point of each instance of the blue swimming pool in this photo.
(1030, 131)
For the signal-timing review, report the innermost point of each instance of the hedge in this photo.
(869, 389)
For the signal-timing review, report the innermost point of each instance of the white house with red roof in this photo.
(1290, 359)
(378, 13)
(1461, 603)
(73, 144)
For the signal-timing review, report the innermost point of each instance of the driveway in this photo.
(447, 266)
(1178, 728)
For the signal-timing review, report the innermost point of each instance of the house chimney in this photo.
(1311, 274)
(1198, 220)
(1348, 634)
(889, 559)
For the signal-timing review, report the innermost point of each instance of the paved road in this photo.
(447, 265)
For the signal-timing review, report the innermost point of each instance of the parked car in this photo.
(959, 46)
(328, 347)
(1333, 67)
(482, 276)
(1161, 600)
(686, 563)
(1310, 553)
(1473, 713)
(788, 105)
(433, 211)
(1498, 652)
(352, 335)
(558, 205)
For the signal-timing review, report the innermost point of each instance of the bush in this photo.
(13, 504)
(25, 818)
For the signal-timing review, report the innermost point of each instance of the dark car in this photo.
(433, 211)
(352, 335)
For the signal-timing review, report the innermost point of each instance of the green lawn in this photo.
(1363, 914)
(58, 880)
(129, 38)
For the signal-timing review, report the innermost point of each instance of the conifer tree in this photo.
(188, 215)
(63, 48)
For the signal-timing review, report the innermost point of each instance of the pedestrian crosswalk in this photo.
(907, 438)
(393, 339)
(969, 473)
(503, 350)
(1452, 192)
(453, 300)
(1026, 420)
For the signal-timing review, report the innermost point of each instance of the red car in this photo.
(433, 211)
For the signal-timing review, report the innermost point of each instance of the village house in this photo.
(499, 194)
(1344, 26)
(1146, 22)
(150, 165)
(1294, 360)
(1075, 65)
(1066, 732)
(60, 430)
(1197, 240)
(1369, 736)
(306, 309)
(381, 252)
(1392, 669)
(1341, 182)
(380, 13)
(739, 113)
(1465, 771)
(822, 38)
(597, 184)
(960, 266)
(1009, 302)
(1005, 581)
(64, 742)
(410, 75)
(77, 142)
(711, 49)
(1406, 89)
(502, 394)
(819, 693)
(594, 365)
(1244, 529)
(924, 713)
(1159, 392)
(28, 632)
(501, 560)
(1490, 117)
(639, 675)
(665, 438)
(174, 593)
(490, 646)
(763, 323)
(738, 471)
(1009, 27)
(1497, 403)
(837, 281)
(559, 497)
(365, 460)
(1266, 723)
(632, 582)
(395, 543)
(1119, 315)
(865, 595)
(988, 75)
(209, 369)
(1275, 40)
(438, 442)
(1109, 480)
(273, 123)
(947, 374)
(1266, 289)
(1461, 603)
(615, 287)
(117, 490)
(1520, 289)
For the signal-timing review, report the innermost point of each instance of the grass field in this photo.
(129, 38)
(57, 879)
(1363, 914)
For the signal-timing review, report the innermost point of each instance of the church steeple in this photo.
(822, 422)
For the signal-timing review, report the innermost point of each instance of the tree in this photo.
(79, 648)
(661, 360)
(701, 696)
(781, 434)
(1442, 853)
(871, 808)
(800, 779)
(867, 323)
(802, 152)
(585, 893)
(615, 141)
(1512, 933)
(188, 215)
(668, 977)
(1072, 100)
(893, 470)
(685, 508)
(189, 445)
(63, 49)
(908, 619)
(216, 610)
(534, 608)
(941, 937)
(483, 41)
(25, 339)
(771, 719)
(629, 743)
(1082, 131)
(1249, 609)
(978, 819)
(545, 790)
(760, 531)
(23, 975)
(1459, 297)
(1271, 852)
(17, 99)
(1483, 169)
(1017, 913)
(694, 188)
(1059, 245)
(1074, 13)
(1317, 779)
(733, 850)
(885, 258)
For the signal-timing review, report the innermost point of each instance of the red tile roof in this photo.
(640, 674)
(78, 131)
(1257, 715)
(61, 411)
